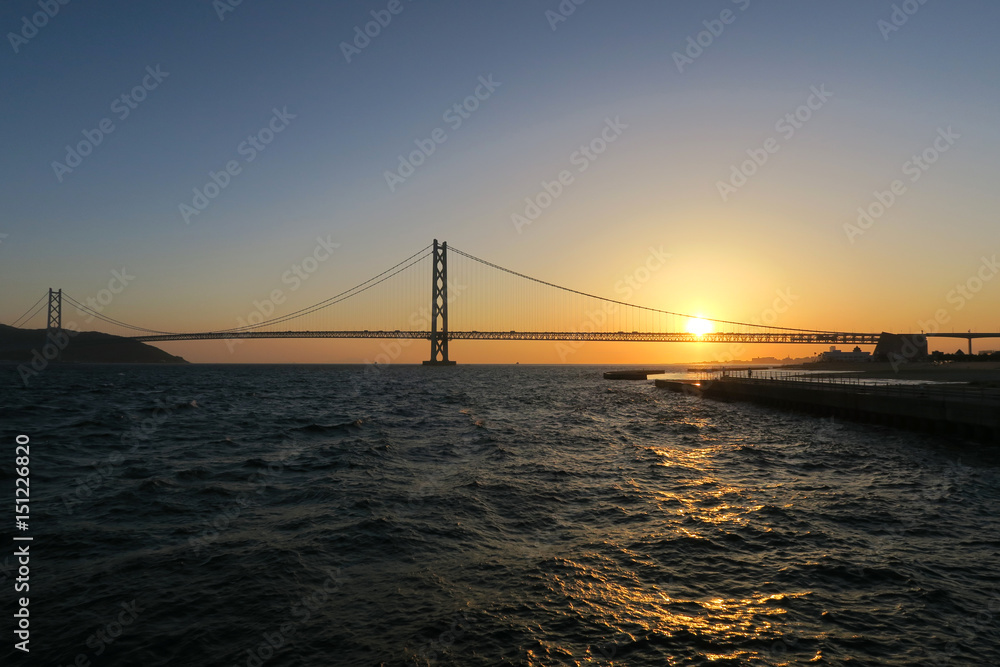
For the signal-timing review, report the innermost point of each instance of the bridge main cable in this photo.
(337, 298)
(110, 320)
(354, 291)
(632, 305)
(27, 318)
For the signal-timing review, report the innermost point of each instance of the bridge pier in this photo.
(439, 307)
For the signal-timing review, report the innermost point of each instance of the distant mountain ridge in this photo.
(27, 345)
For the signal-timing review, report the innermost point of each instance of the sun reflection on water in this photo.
(739, 628)
(647, 604)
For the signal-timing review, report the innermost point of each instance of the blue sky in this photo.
(324, 174)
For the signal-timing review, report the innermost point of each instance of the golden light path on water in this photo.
(635, 613)
(736, 620)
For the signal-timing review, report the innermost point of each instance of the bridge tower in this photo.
(439, 307)
(55, 310)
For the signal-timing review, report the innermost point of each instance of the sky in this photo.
(835, 162)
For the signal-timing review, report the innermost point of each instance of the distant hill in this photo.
(20, 345)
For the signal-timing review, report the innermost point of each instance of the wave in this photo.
(330, 428)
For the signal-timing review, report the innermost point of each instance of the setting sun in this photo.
(699, 326)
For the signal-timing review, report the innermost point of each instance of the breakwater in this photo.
(945, 409)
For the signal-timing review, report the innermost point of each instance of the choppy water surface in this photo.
(487, 516)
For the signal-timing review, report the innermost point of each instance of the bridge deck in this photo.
(621, 336)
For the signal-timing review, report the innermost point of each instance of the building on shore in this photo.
(839, 355)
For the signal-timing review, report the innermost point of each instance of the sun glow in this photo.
(699, 326)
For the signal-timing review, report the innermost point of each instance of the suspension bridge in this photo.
(474, 300)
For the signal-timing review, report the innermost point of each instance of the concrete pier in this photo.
(631, 374)
(959, 410)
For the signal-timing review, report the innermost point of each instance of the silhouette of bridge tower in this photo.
(55, 311)
(439, 307)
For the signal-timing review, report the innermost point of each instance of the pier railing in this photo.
(868, 385)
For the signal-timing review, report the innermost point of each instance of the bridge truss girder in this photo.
(620, 336)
